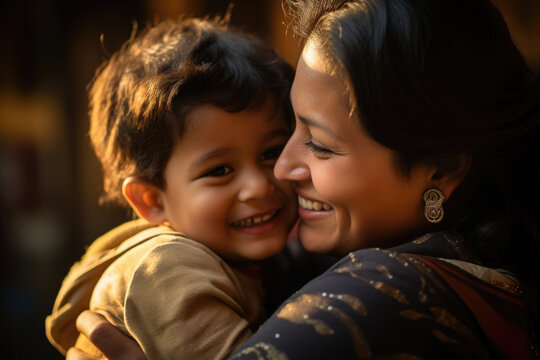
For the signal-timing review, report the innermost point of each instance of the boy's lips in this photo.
(256, 219)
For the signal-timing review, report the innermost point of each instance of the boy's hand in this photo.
(113, 344)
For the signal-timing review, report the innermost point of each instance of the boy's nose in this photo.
(256, 185)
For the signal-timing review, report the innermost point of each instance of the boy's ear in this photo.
(447, 178)
(145, 199)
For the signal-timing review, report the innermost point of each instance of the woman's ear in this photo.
(145, 199)
(447, 178)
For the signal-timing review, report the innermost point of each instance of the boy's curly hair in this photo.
(139, 97)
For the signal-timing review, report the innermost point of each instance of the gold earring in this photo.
(433, 210)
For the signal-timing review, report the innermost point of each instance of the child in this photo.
(187, 120)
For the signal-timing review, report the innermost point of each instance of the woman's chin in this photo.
(316, 241)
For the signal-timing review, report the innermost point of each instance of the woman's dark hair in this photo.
(438, 81)
(140, 97)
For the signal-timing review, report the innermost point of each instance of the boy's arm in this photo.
(181, 301)
(78, 285)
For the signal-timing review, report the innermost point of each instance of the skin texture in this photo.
(332, 160)
(219, 184)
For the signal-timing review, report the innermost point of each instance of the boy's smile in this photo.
(219, 182)
(256, 220)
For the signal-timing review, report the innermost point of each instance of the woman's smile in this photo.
(313, 204)
(310, 210)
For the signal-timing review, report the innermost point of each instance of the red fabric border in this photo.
(507, 336)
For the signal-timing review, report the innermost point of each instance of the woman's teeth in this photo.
(255, 220)
(313, 205)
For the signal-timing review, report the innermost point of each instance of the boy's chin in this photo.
(263, 251)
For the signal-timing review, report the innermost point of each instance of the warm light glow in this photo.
(314, 59)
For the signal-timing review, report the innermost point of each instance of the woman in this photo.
(415, 133)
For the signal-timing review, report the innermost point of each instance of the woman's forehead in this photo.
(318, 55)
(318, 82)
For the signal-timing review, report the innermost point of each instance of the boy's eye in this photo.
(218, 171)
(272, 153)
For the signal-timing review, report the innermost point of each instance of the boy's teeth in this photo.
(256, 220)
(313, 205)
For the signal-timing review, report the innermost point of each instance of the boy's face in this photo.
(220, 187)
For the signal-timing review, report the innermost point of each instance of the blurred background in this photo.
(50, 180)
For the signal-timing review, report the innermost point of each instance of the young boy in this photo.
(187, 120)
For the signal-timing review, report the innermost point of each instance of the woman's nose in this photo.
(256, 184)
(289, 165)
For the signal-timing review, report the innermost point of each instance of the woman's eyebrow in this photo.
(318, 125)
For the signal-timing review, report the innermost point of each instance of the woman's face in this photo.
(350, 193)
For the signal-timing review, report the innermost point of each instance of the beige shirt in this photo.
(177, 298)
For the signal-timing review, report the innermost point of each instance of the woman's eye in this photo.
(272, 153)
(218, 171)
(318, 149)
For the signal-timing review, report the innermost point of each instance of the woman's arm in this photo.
(113, 343)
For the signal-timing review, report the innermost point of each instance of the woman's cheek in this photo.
(331, 184)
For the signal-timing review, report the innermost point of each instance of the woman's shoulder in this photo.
(372, 303)
(375, 303)
(384, 279)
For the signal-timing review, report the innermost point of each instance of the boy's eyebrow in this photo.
(277, 133)
(318, 125)
(221, 151)
(209, 155)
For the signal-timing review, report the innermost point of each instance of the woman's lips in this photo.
(312, 210)
(313, 205)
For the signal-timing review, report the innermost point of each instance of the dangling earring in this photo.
(433, 210)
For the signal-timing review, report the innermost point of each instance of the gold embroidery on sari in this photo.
(302, 310)
(443, 337)
(422, 295)
(442, 317)
(384, 271)
(355, 262)
(448, 320)
(262, 351)
(354, 303)
(445, 321)
(458, 244)
(422, 239)
(389, 290)
(426, 271)
(415, 315)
